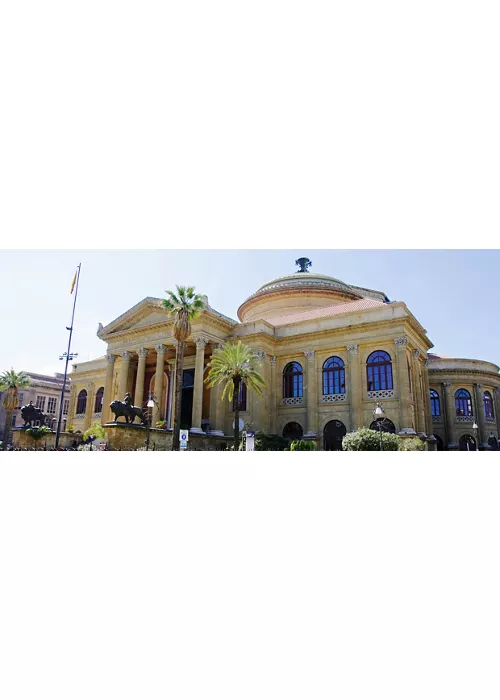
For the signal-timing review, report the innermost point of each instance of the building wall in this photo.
(45, 389)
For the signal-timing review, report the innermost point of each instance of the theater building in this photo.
(329, 352)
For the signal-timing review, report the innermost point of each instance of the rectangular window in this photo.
(14, 417)
(21, 398)
(66, 407)
(40, 402)
(51, 405)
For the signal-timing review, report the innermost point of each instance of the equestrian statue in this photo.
(125, 408)
(31, 414)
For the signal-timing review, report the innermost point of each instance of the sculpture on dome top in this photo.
(303, 264)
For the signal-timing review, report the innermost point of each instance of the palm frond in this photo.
(235, 361)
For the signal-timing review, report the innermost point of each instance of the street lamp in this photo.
(379, 416)
(475, 428)
(150, 405)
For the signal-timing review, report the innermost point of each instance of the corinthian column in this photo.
(106, 399)
(141, 373)
(481, 422)
(160, 369)
(405, 398)
(198, 385)
(496, 399)
(89, 409)
(450, 416)
(429, 428)
(417, 393)
(124, 370)
(312, 397)
(272, 397)
(355, 389)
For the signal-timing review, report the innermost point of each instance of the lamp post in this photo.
(475, 428)
(379, 416)
(150, 405)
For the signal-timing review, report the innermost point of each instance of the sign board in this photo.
(184, 435)
(250, 441)
(183, 445)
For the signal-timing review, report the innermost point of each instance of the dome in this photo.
(296, 292)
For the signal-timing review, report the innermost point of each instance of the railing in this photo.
(293, 401)
(490, 419)
(382, 394)
(464, 419)
(437, 419)
(333, 398)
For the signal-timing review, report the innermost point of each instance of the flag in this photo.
(73, 284)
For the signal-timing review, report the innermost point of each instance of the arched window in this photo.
(242, 398)
(379, 371)
(333, 376)
(293, 385)
(463, 403)
(488, 405)
(435, 403)
(81, 402)
(98, 400)
(386, 425)
(293, 431)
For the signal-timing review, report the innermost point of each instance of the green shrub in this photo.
(270, 443)
(95, 431)
(302, 445)
(414, 444)
(161, 423)
(366, 440)
(69, 428)
(37, 433)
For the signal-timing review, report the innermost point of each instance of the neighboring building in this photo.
(329, 352)
(45, 393)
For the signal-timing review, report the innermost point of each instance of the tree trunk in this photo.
(6, 430)
(236, 394)
(179, 360)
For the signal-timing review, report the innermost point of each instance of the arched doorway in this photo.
(439, 443)
(387, 426)
(293, 431)
(333, 434)
(467, 443)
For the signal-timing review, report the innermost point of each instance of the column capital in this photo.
(160, 349)
(447, 386)
(110, 358)
(273, 360)
(479, 386)
(89, 386)
(126, 355)
(309, 354)
(416, 354)
(352, 349)
(260, 354)
(200, 341)
(426, 364)
(143, 352)
(401, 342)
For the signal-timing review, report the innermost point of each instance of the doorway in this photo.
(333, 434)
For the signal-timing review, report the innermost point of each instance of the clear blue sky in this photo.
(455, 294)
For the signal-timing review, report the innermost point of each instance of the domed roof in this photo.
(305, 280)
(299, 291)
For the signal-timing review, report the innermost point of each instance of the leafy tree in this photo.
(184, 306)
(10, 383)
(95, 431)
(302, 445)
(231, 365)
(366, 440)
(414, 444)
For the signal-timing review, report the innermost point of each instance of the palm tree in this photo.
(184, 306)
(10, 383)
(232, 365)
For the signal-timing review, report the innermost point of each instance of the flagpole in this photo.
(61, 403)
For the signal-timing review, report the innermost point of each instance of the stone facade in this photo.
(44, 391)
(303, 318)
